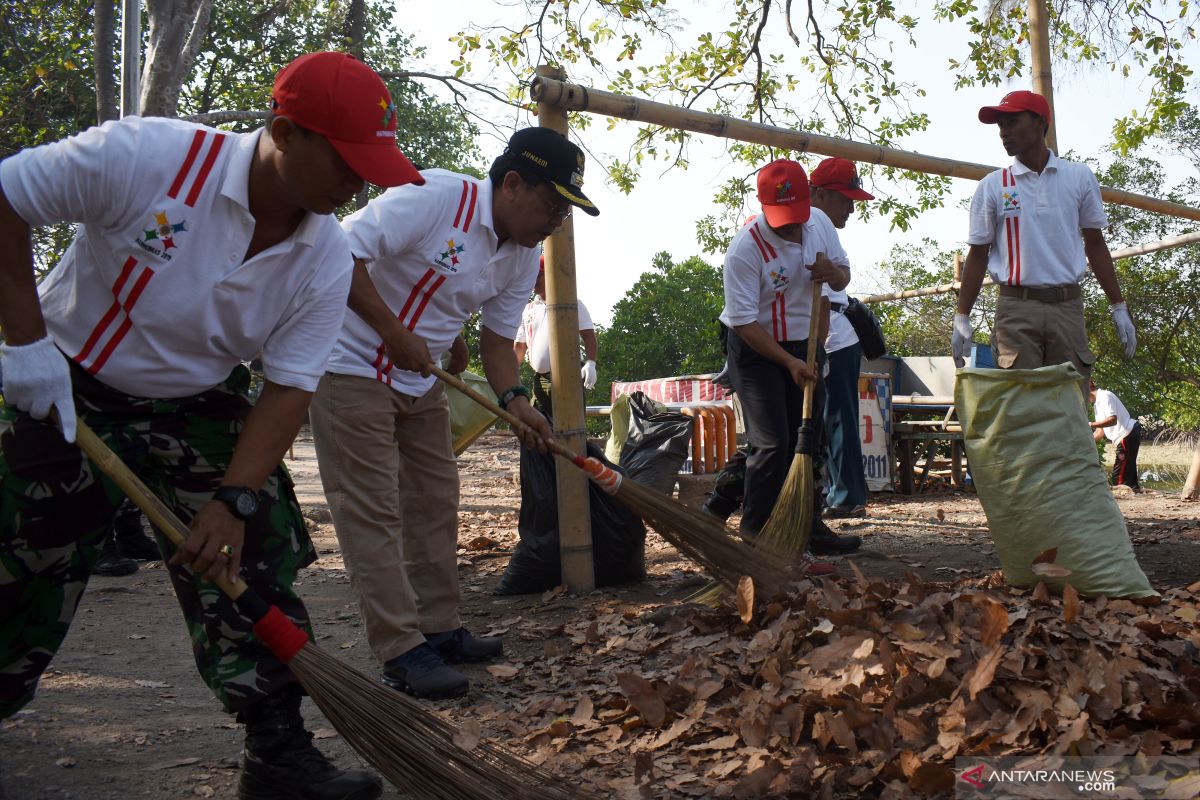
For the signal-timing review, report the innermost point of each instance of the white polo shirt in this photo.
(433, 255)
(153, 297)
(1033, 222)
(841, 332)
(766, 280)
(535, 332)
(1109, 405)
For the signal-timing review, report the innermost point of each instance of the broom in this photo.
(790, 525)
(416, 750)
(701, 537)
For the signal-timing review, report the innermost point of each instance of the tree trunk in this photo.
(1191, 489)
(175, 32)
(104, 42)
(353, 31)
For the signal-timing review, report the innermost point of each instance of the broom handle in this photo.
(814, 326)
(460, 384)
(158, 512)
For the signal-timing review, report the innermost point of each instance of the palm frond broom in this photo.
(417, 751)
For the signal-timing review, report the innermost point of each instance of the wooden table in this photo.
(938, 422)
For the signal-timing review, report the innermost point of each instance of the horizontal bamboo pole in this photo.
(1125, 252)
(580, 98)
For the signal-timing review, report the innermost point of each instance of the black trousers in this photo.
(1125, 468)
(773, 407)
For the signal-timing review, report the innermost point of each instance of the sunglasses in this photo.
(559, 210)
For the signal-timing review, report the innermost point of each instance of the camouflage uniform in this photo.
(56, 508)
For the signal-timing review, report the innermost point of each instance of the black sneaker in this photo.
(844, 512)
(281, 763)
(421, 672)
(112, 563)
(459, 645)
(825, 542)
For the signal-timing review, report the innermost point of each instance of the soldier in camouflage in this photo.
(197, 249)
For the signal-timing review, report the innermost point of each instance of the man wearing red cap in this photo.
(533, 339)
(196, 250)
(425, 260)
(835, 188)
(770, 268)
(1035, 227)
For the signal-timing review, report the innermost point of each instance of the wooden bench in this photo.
(940, 424)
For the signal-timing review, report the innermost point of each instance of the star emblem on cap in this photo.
(783, 189)
(389, 111)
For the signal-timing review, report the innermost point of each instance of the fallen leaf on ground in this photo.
(745, 599)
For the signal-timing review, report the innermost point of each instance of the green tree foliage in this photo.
(825, 68)
(665, 325)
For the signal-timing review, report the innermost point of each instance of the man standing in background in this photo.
(835, 188)
(1114, 423)
(533, 339)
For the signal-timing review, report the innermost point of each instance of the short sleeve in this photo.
(585, 319)
(983, 213)
(741, 279)
(1091, 206)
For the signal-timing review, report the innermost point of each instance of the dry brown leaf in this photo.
(467, 737)
(644, 697)
(745, 599)
(758, 782)
(503, 671)
(583, 712)
(65, 761)
(1040, 593)
(324, 733)
(994, 622)
(677, 729)
(1047, 556)
(720, 743)
(1070, 603)
(1050, 570)
(985, 670)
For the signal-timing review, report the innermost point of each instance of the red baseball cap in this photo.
(341, 98)
(783, 193)
(1014, 102)
(839, 175)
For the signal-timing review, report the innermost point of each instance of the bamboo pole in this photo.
(1125, 252)
(1043, 76)
(573, 97)
(562, 310)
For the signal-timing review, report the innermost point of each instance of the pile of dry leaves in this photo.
(851, 688)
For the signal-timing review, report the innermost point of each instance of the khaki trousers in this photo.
(389, 474)
(1030, 333)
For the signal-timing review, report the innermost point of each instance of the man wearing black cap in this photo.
(1035, 227)
(196, 249)
(425, 260)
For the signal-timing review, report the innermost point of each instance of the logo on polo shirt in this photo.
(448, 258)
(1011, 199)
(778, 278)
(161, 238)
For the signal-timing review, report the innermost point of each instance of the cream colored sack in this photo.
(1034, 465)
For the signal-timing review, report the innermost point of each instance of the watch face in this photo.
(247, 504)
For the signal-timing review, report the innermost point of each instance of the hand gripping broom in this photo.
(416, 750)
(700, 537)
(790, 525)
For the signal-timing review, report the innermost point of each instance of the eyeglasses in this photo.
(854, 183)
(559, 210)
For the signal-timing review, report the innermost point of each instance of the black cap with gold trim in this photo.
(548, 154)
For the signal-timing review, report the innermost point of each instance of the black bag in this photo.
(618, 535)
(657, 444)
(866, 327)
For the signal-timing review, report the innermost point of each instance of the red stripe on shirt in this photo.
(754, 234)
(205, 168)
(412, 324)
(1016, 227)
(462, 202)
(471, 211)
(779, 298)
(412, 296)
(775, 321)
(128, 305)
(197, 140)
(107, 319)
(770, 250)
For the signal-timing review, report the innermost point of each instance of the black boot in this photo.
(132, 538)
(281, 763)
(111, 562)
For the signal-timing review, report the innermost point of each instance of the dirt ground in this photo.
(122, 714)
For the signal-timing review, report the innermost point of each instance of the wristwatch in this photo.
(242, 501)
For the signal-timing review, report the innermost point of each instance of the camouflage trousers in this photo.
(56, 508)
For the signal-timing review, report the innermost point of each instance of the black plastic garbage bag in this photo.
(618, 535)
(657, 444)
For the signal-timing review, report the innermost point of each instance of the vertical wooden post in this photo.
(1043, 76)
(957, 269)
(562, 309)
(131, 53)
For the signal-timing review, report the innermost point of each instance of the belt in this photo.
(837, 308)
(1046, 294)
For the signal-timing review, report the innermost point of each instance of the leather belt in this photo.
(1046, 294)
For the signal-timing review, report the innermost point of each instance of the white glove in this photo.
(960, 340)
(588, 373)
(36, 378)
(1124, 325)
